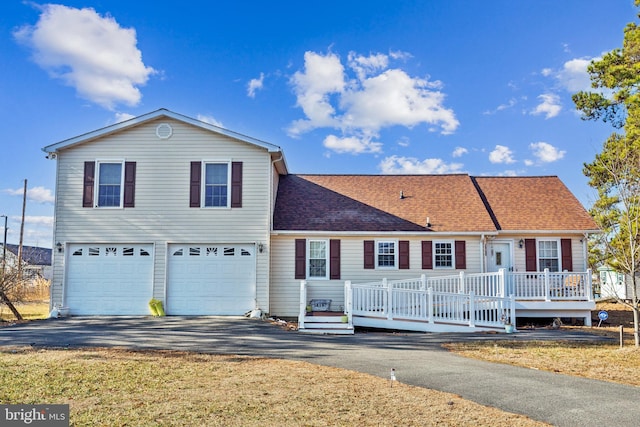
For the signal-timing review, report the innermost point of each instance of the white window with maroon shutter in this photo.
(317, 259)
(109, 184)
(215, 184)
(318, 251)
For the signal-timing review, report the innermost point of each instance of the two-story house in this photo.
(211, 222)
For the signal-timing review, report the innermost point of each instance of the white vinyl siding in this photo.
(285, 289)
(162, 214)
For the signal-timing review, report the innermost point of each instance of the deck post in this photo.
(388, 286)
(348, 301)
(423, 282)
(547, 286)
(472, 309)
(303, 304)
(512, 309)
(461, 287)
(589, 287)
(502, 283)
(430, 305)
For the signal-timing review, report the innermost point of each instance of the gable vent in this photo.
(164, 131)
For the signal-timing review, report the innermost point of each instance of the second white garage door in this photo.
(213, 279)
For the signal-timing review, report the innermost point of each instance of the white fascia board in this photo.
(549, 231)
(53, 148)
(381, 233)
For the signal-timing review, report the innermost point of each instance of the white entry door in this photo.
(499, 256)
(211, 279)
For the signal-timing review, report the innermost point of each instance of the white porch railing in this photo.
(551, 286)
(479, 299)
(409, 300)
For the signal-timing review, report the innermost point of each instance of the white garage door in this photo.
(214, 279)
(109, 279)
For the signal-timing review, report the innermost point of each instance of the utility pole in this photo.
(24, 208)
(4, 245)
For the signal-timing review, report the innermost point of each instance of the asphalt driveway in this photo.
(416, 357)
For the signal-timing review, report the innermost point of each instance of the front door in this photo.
(499, 256)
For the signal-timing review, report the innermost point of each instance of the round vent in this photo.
(164, 131)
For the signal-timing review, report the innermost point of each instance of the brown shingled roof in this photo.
(534, 203)
(373, 203)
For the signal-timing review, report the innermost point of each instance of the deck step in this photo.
(325, 325)
(327, 331)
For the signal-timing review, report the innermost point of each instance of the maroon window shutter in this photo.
(236, 184)
(129, 184)
(194, 184)
(567, 256)
(461, 254)
(530, 254)
(301, 259)
(89, 178)
(403, 254)
(369, 254)
(334, 259)
(427, 255)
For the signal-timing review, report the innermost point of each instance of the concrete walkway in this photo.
(417, 359)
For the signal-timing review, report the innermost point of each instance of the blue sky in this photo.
(346, 87)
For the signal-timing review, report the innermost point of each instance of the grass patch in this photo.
(28, 310)
(115, 387)
(595, 360)
(607, 362)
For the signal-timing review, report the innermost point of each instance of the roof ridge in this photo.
(487, 206)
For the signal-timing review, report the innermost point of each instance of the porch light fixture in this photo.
(59, 247)
(520, 243)
(260, 247)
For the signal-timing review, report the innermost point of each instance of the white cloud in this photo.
(254, 85)
(210, 119)
(367, 65)
(89, 52)
(545, 152)
(398, 54)
(39, 220)
(528, 162)
(512, 103)
(574, 76)
(322, 76)
(459, 152)
(352, 144)
(365, 97)
(550, 106)
(501, 154)
(35, 194)
(123, 117)
(411, 165)
(546, 72)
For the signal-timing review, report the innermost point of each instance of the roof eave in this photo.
(162, 112)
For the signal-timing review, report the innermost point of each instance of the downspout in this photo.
(483, 260)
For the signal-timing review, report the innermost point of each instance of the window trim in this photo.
(203, 180)
(327, 266)
(559, 258)
(96, 187)
(396, 252)
(452, 244)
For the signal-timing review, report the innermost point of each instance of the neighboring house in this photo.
(615, 285)
(211, 222)
(36, 261)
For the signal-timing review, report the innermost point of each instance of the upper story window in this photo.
(318, 251)
(109, 184)
(216, 185)
(548, 255)
(386, 254)
(443, 254)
